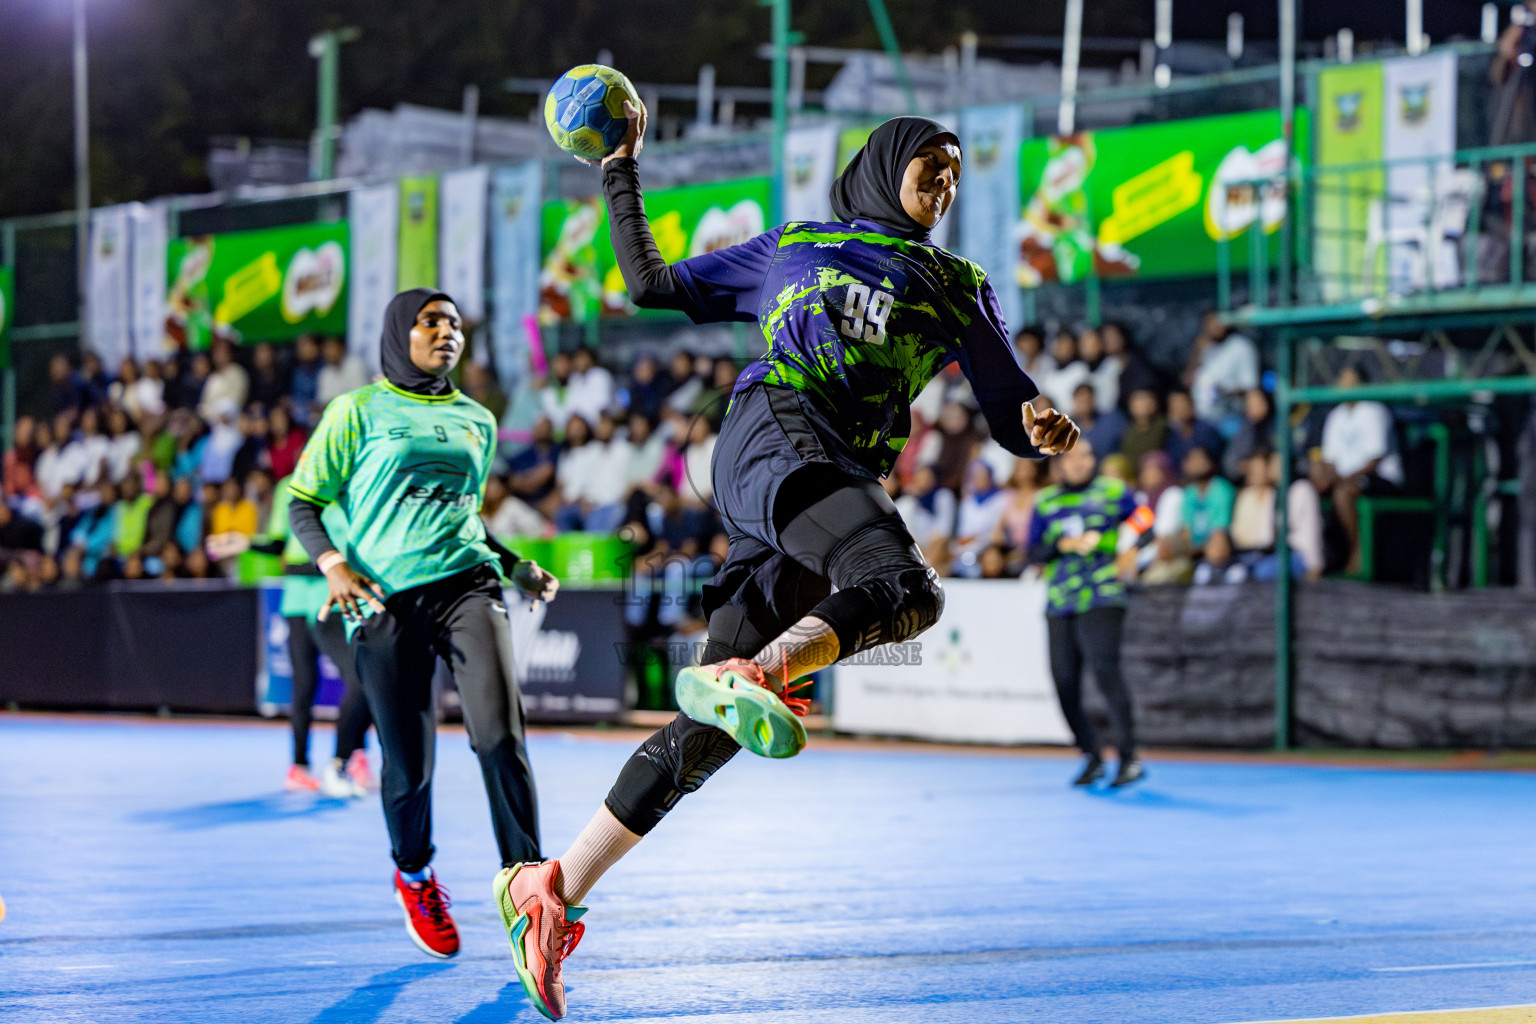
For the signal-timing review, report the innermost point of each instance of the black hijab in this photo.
(870, 186)
(395, 348)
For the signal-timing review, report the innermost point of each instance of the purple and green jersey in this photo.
(860, 321)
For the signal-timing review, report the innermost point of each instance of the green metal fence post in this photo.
(888, 40)
(1283, 547)
(1517, 230)
(781, 42)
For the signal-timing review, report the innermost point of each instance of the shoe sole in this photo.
(410, 929)
(750, 715)
(516, 925)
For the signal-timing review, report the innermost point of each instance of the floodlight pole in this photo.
(82, 172)
(1071, 52)
(326, 48)
(893, 50)
(1288, 15)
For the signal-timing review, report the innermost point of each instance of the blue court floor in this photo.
(156, 872)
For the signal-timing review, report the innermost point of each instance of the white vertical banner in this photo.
(517, 196)
(990, 138)
(149, 231)
(1419, 120)
(461, 239)
(374, 213)
(109, 316)
(810, 164)
(981, 675)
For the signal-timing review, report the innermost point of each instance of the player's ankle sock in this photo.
(417, 876)
(599, 847)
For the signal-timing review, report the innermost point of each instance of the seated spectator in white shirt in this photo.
(1304, 512)
(506, 516)
(929, 512)
(590, 389)
(604, 499)
(981, 508)
(553, 390)
(1059, 384)
(341, 373)
(123, 445)
(85, 456)
(1029, 347)
(50, 470)
(227, 382)
(1227, 364)
(1358, 457)
(580, 462)
(645, 447)
(1103, 372)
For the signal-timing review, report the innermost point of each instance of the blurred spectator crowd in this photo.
(146, 473)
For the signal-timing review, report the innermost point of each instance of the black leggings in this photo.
(1092, 636)
(833, 530)
(307, 640)
(461, 619)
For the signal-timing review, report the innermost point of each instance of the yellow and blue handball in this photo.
(584, 110)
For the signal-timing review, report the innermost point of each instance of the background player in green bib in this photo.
(1074, 534)
(407, 459)
(305, 593)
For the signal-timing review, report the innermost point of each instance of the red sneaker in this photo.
(359, 771)
(426, 916)
(543, 929)
(299, 779)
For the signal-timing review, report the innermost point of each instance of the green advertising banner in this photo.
(7, 305)
(254, 286)
(850, 141)
(580, 277)
(418, 233)
(1150, 200)
(1350, 99)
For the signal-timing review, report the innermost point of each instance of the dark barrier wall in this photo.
(1375, 666)
(130, 646)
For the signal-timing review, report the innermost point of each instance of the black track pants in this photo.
(307, 640)
(1092, 637)
(461, 619)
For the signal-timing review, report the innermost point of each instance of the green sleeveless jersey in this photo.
(409, 472)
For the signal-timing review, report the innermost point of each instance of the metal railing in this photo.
(1433, 229)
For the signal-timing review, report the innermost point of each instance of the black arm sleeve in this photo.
(652, 283)
(509, 558)
(304, 521)
(1001, 386)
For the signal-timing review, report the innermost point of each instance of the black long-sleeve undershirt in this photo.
(652, 283)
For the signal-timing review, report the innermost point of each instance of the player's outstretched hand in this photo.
(537, 583)
(349, 590)
(1051, 431)
(634, 139)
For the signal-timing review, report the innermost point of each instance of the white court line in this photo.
(1456, 967)
(208, 960)
(86, 967)
(321, 963)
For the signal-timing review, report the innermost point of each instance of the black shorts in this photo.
(791, 495)
(770, 435)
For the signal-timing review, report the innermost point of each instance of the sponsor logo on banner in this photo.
(313, 281)
(1346, 111)
(721, 229)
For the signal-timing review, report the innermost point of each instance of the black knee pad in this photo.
(676, 760)
(885, 609)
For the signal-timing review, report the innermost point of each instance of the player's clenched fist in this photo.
(1051, 431)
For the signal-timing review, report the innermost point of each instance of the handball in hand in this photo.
(585, 113)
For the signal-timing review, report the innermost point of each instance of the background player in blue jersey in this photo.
(859, 316)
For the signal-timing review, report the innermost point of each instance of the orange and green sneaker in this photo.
(543, 930)
(737, 698)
